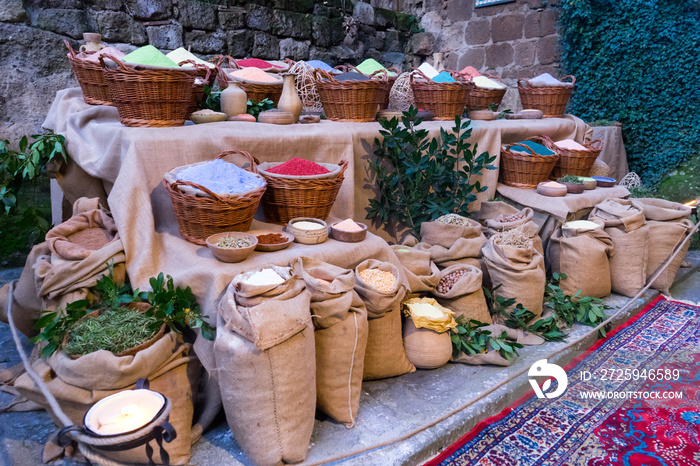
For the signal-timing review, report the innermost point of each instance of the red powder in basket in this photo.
(256, 63)
(299, 167)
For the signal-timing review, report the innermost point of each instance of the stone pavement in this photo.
(388, 408)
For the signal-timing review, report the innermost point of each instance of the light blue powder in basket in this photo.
(221, 177)
(320, 64)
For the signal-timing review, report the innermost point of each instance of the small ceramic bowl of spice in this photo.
(589, 183)
(551, 189)
(604, 181)
(574, 184)
(308, 230)
(233, 246)
(348, 231)
(269, 240)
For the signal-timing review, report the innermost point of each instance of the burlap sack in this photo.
(385, 355)
(77, 384)
(425, 348)
(518, 271)
(451, 244)
(79, 236)
(627, 228)
(492, 210)
(465, 298)
(265, 359)
(669, 225)
(340, 320)
(422, 273)
(583, 255)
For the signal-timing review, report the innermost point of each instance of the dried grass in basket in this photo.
(482, 99)
(254, 91)
(90, 77)
(288, 198)
(351, 100)
(445, 100)
(577, 162)
(523, 170)
(149, 97)
(199, 217)
(551, 100)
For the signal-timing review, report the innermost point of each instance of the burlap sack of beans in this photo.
(583, 255)
(340, 320)
(385, 355)
(626, 225)
(266, 364)
(518, 272)
(465, 298)
(422, 273)
(669, 225)
(451, 244)
(79, 383)
(492, 210)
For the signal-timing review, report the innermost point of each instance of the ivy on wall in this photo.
(638, 62)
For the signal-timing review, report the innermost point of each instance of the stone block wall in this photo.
(33, 64)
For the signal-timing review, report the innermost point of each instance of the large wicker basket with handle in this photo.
(291, 197)
(254, 91)
(149, 97)
(90, 77)
(205, 75)
(551, 100)
(480, 98)
(445, 100)
(577, 162)
(527, 170)
(351, 100)
(202, 215)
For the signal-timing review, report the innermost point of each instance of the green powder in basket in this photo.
(151, 56)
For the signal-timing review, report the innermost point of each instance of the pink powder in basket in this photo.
(256, 63)
(552, 184)
(254, 74)
(348, 225)
(299, 167)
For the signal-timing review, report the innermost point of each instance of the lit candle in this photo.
(124, 412)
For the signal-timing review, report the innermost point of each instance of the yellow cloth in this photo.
(437, 317)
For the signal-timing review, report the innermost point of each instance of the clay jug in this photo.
(93, 42)
(289, 100)
(438, 61)
(234, 100)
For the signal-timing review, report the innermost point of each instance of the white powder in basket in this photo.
(221, 177)
(264, 277)
(304, 225)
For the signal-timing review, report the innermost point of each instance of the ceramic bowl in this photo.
(572, 188)
(199, 118)
(604, 181)
(276, 117)
(231, 254)
(531, 114)
(272, 247)
(481, 115)
(302, 236)
(589, 183)
(349, 236)
(551, 192)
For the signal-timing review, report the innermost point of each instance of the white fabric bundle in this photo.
(546, 79)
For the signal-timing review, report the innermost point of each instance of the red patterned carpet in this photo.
(641, 405)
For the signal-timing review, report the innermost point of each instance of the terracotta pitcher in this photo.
(289, 100)
(93, 42)
(234, 100)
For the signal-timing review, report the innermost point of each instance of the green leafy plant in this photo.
(470, 338)
(574, 309)
(571, 179)
(420, 179)
(212, 100)
(255, 107)
(54, 325)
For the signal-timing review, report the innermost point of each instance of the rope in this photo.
(454, 411)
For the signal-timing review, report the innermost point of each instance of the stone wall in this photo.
(512, 40)
(33, 64)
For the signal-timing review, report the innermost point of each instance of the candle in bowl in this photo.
(124, 412)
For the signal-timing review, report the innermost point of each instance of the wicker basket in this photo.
(482, 99)
(208, 77)
(254, 91)
(445, 100)
(90, 77)
(288, 198)
(551, 100)
(576, 162)
(522, 170)
(351, 100)
(149, 97)
(199, 217)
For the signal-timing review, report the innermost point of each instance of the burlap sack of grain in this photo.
(340, 320)
(451, 244)
(627, 227)
(385, 355)
(583, 255)
(266, 363)
(669, 225)
(79, 383)
(517, 272)
(465, 298)
(61, 270)
(422, 273)
(493, 213)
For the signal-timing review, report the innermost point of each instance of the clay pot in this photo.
(289, 100)
(425, 348)
(234, 100)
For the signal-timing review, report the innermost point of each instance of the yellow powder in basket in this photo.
(254, 74)
(304, 225)
(348, 225)
(552, 184)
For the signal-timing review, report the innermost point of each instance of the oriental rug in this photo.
(632, 399)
